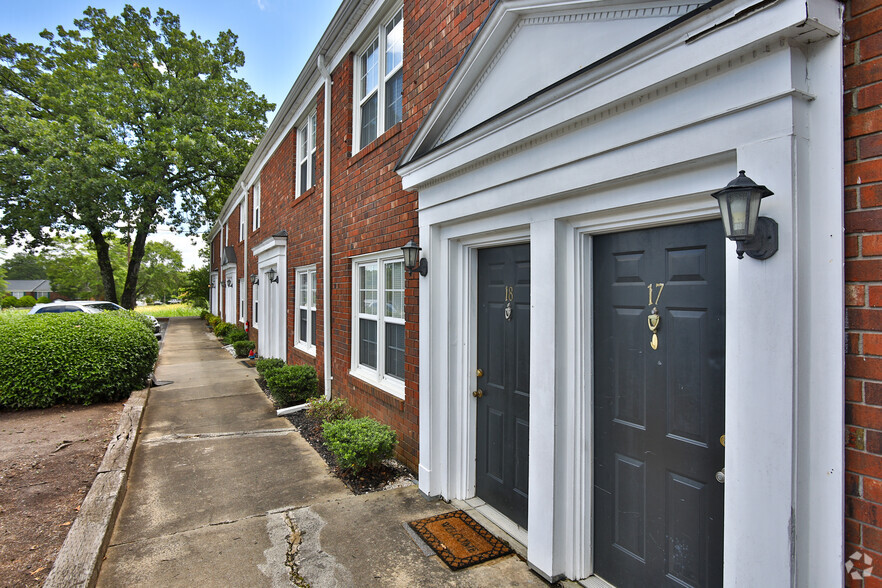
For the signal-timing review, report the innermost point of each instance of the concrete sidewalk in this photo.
(222, 492)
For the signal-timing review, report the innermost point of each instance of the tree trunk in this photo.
(102, 247)
(130, 288)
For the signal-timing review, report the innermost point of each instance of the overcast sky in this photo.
(277, 37)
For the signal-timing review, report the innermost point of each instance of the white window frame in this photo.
(306, 152)
(307, 303)
(255, 220)
(376, 377)
(255, 302)
(382, 77)
(242, 209)
(242, 308)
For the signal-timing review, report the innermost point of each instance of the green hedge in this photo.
(236, 334)
(359, 443)
(8, 301)
(242, 347)
(292, 384)
(26, 301)
(221, 329)
(266, 365)
(321, 409)
(75, 357)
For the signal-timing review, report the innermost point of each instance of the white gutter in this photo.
(326, 224)
(243, 222)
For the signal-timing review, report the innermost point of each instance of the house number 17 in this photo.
(660, 287)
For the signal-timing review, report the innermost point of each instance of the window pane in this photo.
(395, 350)
(312, 171)
(368, 289)
(304, 178)
(393, 99)
(394, 290)
(301, 295)
(312, 290)
(394, 43)
(312, 332)
(303, 317)
(367, 352)
(312, 123)
(369, 73)
(368, 121)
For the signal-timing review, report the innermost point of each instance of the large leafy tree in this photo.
(125, 122)
(162, 271)
(24, 266)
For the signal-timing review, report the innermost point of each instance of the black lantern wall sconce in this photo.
(739, 201)
(255, 280)
(411, 253)
(271, 276)
(229, 283)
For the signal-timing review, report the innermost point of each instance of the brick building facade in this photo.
(353, 215)
(863, 280)
(368, 213)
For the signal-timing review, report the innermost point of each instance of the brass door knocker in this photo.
(652, 320)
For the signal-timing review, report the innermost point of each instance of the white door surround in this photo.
(638, 142)
(229, 283)
(272, 255)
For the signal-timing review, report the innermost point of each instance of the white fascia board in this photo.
(714, 35)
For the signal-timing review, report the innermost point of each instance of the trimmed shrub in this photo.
(359, 443)
(291, 384)
(43, 300)
(213, 320)
(26, 301)
(222, 329)
(321, 409)
(243, 347)
(235, 335)
(73, 357)
(266, 365)
(8, 302)
(204, 314)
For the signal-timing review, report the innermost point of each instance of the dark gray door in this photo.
(659, 412)
(503, 418)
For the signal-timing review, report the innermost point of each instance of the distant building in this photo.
(35, 288)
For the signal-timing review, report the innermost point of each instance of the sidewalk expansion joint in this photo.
(183, 437)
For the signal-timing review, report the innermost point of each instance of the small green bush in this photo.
(359, 443)
(243, 347)
(73, 357)
(322, 409)
(292, 384)
(265, 365)
(43, 300)
(235, 335)
(213, 320)
(204, 314)
(26, 301)
(8, 302)
(222, 329)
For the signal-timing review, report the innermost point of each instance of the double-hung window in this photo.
(242, 209)
(243, 314)
(379, 81)
(255, 220)
(304, 329)
(378, 345)
(306, 154)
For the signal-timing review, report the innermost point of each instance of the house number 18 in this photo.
(509, 293)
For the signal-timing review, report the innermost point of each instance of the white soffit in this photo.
(526, 49)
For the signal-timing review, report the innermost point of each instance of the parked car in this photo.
(90, 306)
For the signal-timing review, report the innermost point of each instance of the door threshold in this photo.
(495, 522)
(595, 582)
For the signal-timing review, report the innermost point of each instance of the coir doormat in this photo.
(458, 540)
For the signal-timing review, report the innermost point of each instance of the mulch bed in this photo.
(387, 475)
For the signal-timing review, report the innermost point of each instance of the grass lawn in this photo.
(169, 310)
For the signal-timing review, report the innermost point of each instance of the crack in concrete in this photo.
(183, 437)
(315, 567)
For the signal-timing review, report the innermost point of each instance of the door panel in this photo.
(503, 412)
(659, 413)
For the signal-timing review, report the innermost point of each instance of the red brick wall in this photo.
(863, 281)
(370, 212)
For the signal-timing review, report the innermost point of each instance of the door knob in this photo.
(478, 393)
(721, 476)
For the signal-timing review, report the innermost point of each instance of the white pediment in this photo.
(525, 47)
